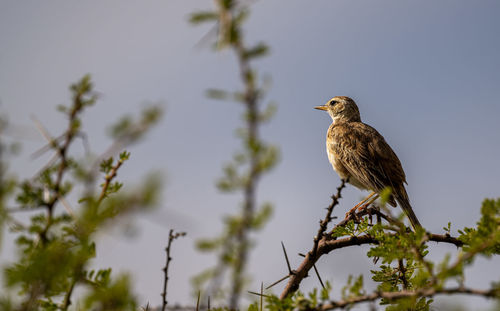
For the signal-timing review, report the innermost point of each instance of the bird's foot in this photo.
(360, 207)
(351, 212)
(368, 203)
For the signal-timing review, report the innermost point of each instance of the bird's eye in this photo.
(332, 102)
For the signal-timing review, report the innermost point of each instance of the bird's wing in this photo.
(366, 155)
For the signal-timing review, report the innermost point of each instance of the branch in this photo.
(251, 104)
(171, 236)
(109, 177)
(231, 35)
(465, 257)
(405, 294)
(324, 223)
(327, 244)
(358, 214)
(67, 296)
(61, 150)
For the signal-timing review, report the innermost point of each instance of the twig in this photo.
(461, 259)
(324, 223)
(402, 272)
(67, 296)
(416, 250)
(109, 177)
(405, 294)
(313, 255)
(171, 236)
(62, 151)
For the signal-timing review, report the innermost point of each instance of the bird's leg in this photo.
(368, 202)
(361, 204)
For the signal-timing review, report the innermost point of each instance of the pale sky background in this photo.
(425, 74)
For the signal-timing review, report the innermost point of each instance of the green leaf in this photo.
(203, 16)
(258, 50)
(217, 94)
(124, 155)
(106, 165)
(262, 216)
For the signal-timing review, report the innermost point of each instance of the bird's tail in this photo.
(404, 203)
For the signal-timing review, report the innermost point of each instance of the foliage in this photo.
(55, 249)
(242, 174)
(406, 278)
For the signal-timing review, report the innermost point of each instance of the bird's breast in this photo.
(336, 164)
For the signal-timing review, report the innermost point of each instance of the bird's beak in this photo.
(320, 108)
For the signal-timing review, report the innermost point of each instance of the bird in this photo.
(361, 155)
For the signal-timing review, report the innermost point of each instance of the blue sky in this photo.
(425, 74)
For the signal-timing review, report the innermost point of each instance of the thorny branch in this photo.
(328, 218)
(82, 97)
(67, 297)
(323, 244)
(250, 96)
(402, 274)
(327, 245)
(171, 237)
(48, 188)
(229, 16)
(62, 152)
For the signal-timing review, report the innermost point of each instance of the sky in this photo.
(425, 74)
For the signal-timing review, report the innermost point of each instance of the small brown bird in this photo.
(360, 154)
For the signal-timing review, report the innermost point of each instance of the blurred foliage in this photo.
(55, 249)
(242, 174)
(7, 183)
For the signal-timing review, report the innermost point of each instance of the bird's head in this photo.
(341, 108)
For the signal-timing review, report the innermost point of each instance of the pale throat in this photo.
(338, 118)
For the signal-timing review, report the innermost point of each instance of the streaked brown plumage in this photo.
(358, 152)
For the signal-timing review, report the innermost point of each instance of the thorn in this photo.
(258, 294)
(319, 277)
(286, 258)
(315, 270)
(208, 303)
(198, 301)
(278, 281)
(261, 294)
